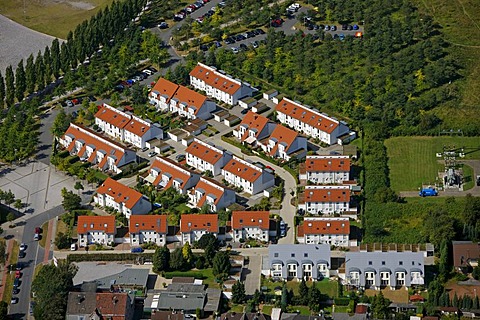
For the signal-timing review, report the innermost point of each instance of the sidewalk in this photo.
(48, 242)
(5, 271)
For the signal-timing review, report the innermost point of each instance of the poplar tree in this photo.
(9, 87)
(30, 78)
(20, 83)
(2, 90)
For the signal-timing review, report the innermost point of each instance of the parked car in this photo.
(180, 157)
(355, 27)
(22, 254)
(255, 44)
(23, 247)
(14, 300)
(18, 274)
(163, 25)
(137, 250)
(333, 28)
(243, 47)
(152, 154)
(73, 247)
(260, 31)
(92, 98)
(144, 149)
(69, 103)
(16, 291)
(235, 50)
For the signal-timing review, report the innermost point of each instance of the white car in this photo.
(73, 247)
(235, 50)
(149, 72)
(23, 247)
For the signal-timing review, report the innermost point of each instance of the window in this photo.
(413, 263)
(275, 254)
(370, 263)
(292, 255)
(383, 263)
(400, 263)
(305, 255)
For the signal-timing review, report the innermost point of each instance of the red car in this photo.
(18, 274)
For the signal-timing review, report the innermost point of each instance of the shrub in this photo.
(194, 274)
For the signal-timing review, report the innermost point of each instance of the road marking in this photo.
(48, 184)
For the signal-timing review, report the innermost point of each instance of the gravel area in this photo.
(18, 42)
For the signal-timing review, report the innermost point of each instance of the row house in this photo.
(164, 173)
(106, 154)
(310, 122)
(148, 229)
(210, 193)
(218, 85)
(205, 157)
(194, 226)
(325, 200)
(100, 305)
(161, 94)
(275, 140)
(326, 169)
(250, 225)
(377, 270)
(122, 198)
(96, 229)
(247, 176)
(126, 127)
(331, 231)
(296, 262)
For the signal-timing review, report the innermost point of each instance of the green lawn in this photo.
(326, 286)
(412, 160)
(267, 309)
(207, 275)
(238, 308)
(56, 18)
(44, 235)
(7, 291)
(468, 178)
(304, 311)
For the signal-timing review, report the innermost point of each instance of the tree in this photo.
(443, 267)
(3, 310)
(18, 204)
(209, 254)
(380, 307)
(221, 265)
(303, 292)
(176, 260)
(284, 298)
(207, 240)
(78, 186)
(187, 253)
(9, 197)
(238, 293)
(2, 90)
(20, 81)
(314, 297)
(60, 124)
(9, 87)
(30, 76)
(476, 273)
(161, 259)
(51, 287)
(10, 217)
(70, 201)
(62, 241)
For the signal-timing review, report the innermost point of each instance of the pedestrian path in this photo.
(48, 241)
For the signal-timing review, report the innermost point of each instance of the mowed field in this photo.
(53, 17)
(412, 160)
(459, 21)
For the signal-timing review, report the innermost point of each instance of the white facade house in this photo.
(326, 169)
(325, 200)
(283, 143)
(126, 127)
(96, 229)
(194, 226)
(247, 176)
(148, 229)
(107, 155)
(218, 85)
(191, 104)
(310, 122)
(253, 128)
(122, 198)
(250, 225)
(209, 192)
(331, 231)
(161, 93)
(205, 157)
(164, 173)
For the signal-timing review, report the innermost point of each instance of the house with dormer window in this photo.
(253, 128)
(283, 143)
(209, 192)
(191, 104)
(206, 157)
(333, 231)
(250, 225)
(310, 122)
(325, 200)
(165, 173)
(215, 83)
(194, 226)
(148, 229)
(96, 229)
(251, 178)
(122, 198)
(102, 152)
(161, 94)
(326, 169)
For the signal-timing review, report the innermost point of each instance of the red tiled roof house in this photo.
(194, 226)
(122, 198)
(218, 85)
(96, 229)
(250, 225)
(284, 142)
(205, 157)
(148, 228)
(325, 200)
(164, 173)
(332, 231)
(253, 128)
(247, 176)
(209, 192)
(191, 104)
(98, 150)
(100, 305)
(326, 169)
(161, 94)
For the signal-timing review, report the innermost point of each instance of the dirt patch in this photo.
(397, 296)
(461, 290)
(81, 5)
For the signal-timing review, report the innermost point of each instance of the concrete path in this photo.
(252, 274)
(48, 241)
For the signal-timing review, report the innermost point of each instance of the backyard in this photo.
(412, 161)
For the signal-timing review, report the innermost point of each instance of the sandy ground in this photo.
(18, 42)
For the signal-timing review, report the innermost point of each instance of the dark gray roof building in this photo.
(188, 297)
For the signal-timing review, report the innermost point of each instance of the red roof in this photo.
(156, 223)
(89, 137)
(113, 305)
(165, 88)
(215, 79)
(259, 219)
(96, 223)
(190, 98)
(137, 126)
(120, 192)
(192, 222)
(253, 121)
(112, 116)
(327, 194)
(282, 135)
(244, 170)
(308, 116)
(204, 151)
(326, 226)
(210, 187)
(167, 166)
(327, 163)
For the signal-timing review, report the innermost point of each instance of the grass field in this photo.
(412, 160)
(7, 292)
(44, 235)
(459, 21)
(55, 18)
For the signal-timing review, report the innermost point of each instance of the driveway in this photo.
(252, 274)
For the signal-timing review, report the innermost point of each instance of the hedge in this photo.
(342, 301)
(108, 257)
(194, 274)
